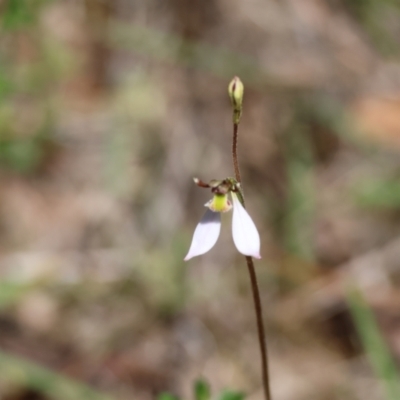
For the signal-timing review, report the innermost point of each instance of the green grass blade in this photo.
(28, 374)
(374, 344)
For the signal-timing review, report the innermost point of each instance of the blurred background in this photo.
(108, 108)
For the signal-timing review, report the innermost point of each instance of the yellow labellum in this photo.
(219, 203)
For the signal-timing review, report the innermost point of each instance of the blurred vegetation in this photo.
(107, 110)
(202, 392)
(30, 375)
(26, 81)
(374, 343)
(373, 17)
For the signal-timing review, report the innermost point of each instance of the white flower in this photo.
(244, 231)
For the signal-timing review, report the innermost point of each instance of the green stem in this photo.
(235, 157)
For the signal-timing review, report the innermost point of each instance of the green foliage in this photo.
(201, 390)
(10, 293)
(6, 84)
(378, 194)
(25, 154)
(25, 146)
(18, 14)
(21, 155)
(33, 376)
(375, 346)
(229, 395)
(372, 15)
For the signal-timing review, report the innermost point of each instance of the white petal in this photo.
(206, 234)
(244, 232)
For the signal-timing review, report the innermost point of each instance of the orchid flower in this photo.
(244, 231)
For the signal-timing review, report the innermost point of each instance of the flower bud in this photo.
(235, 90)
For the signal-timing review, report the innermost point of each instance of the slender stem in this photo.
(234, 154)
(253, 281)
(260, 328)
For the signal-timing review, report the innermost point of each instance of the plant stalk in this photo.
(253, 280)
